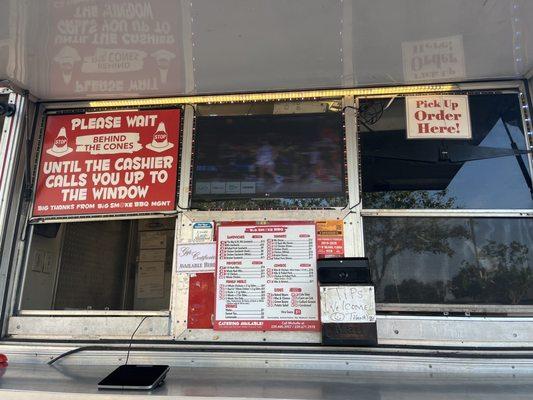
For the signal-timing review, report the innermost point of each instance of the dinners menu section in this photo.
(266, 277)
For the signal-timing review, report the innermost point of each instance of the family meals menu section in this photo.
(266, 277)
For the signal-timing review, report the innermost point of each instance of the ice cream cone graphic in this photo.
(66, 59)
(162, 59)
(163, 73)
(60, 147)
(160, 141)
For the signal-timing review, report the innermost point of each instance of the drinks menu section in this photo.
(266, 277)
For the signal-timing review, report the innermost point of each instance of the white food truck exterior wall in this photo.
(443, 330)
(11, 177)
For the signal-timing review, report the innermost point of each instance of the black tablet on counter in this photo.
(135, 377)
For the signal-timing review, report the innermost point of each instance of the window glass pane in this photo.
(451, 260)
(270, 155)
(105, 265)
(490, 171)
(92, 276)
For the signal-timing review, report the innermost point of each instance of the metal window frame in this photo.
(83, 108)
(520, 89)
(180, 286)
(173, 322)
(65, 324)
(12, 176)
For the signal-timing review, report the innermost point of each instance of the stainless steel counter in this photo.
(43, 382)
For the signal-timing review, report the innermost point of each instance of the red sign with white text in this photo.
(108, 163)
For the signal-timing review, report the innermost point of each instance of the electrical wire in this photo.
(77, 350)
(132, 335)
(182, 209)
(192, 106)
(369, 114)
(97, 347)
(350, 210)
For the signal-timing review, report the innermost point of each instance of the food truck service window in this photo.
(446, 189)
(100, 265)
(274, 156)
(97, 174)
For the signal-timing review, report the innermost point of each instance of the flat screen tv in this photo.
(269, 156)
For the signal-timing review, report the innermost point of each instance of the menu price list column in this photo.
(266, 277)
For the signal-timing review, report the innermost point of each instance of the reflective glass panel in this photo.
(451, 260)
(490, 171)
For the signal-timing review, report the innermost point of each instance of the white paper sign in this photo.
(150, 279)
(266, 277)
(434, 59)
(347, 304)
(196, 257)
(202, 232)
(438, 117)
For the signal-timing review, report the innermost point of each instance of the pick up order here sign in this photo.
(108, 163)
(438, 117)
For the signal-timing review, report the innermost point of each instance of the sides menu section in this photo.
(266, 277)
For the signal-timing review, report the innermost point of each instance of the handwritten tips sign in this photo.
(266, 277)
(108, 163)
(196, 257)
(347, 304)
(438, 117)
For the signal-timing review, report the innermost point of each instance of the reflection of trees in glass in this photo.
(413, 291)
(385, 238)
(268, 204)
(506, 279)
(409, 199)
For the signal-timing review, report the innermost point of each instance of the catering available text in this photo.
(108, 163)
(266, 277)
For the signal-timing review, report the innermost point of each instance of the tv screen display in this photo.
(269, 156)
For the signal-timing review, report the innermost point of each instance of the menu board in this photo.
(266, 277)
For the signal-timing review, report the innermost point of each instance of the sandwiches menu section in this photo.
(266, 277)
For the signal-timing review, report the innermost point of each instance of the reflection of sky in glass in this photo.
(496, 182)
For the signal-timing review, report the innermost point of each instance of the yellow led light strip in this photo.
(274, 96)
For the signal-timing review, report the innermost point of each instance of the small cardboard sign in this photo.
(329, 239)
(202, 232)
(347, 304)
(438, 117)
